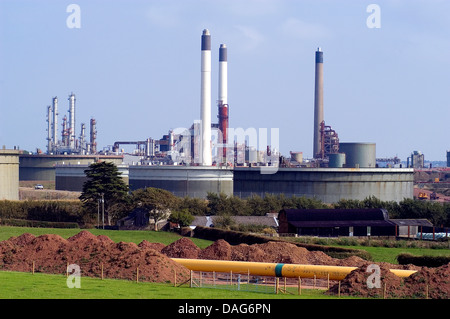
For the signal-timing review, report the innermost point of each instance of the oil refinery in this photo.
(210, 157)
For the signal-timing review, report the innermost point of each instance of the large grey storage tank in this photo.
(359, 155)
(336, 160)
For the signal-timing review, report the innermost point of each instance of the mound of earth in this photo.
(52, 254)
(433, 283)
(182, 248)
(219, 250)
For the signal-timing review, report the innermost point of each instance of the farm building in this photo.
(336, 222)
(413, 228)
(208, 221)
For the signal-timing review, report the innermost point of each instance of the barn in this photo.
(336, 222)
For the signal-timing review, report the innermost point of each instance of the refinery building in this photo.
(206, 157)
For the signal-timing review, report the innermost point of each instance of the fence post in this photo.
(328, 281)
(190, 280)
(339, 289)
(102, 272)
(32, 270)
(299, 285)
(137, 274)
(277, 281)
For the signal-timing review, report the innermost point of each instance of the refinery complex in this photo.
(209, 156)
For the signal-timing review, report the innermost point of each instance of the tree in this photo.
(158, 202)
(104, 189)
(183, 217)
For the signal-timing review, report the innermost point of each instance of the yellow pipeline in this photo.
(274, 269)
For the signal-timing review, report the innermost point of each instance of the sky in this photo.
(134, 66)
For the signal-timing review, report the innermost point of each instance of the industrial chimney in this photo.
(205, 100)
(55, 121)
(318, 104)
(223, 97)
(72, 121)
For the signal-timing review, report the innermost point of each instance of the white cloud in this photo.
(303, 30)
(253, 8)
(166, 16)
(249, 38)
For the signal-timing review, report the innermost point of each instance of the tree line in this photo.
(104, 186)
(105, 191)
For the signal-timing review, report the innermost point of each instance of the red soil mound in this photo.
(182, 248)
(426, 282)
(52, 254)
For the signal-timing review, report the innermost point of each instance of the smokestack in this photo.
(205, 100)
(93, 137)
(72, 120)
(318, 103)
(223, 96)
(49, 129)
(55, 121)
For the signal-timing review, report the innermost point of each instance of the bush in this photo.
(37, 223)
(43, 210)
(423, 261)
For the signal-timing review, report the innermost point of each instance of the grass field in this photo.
(389, 254)
(18, 285)
(134, 236)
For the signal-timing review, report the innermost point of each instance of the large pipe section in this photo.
(318, 103)
(205, 100)
(223, 96)
(275, 269)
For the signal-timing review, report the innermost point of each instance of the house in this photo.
(139, 218)
(336, 222)
(269, 220)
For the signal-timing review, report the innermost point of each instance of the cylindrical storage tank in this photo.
(297, 156)
(336, 160)
(359, 155)
(9, 174)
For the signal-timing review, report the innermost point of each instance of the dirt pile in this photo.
(182, 248)
(52, 254)
(433, 283)
(273, 252)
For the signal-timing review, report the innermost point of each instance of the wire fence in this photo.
(253, 283)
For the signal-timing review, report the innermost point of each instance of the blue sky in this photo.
(135, 67)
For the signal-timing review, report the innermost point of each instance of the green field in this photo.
(18, 285)
(389, 254)
(134, 236)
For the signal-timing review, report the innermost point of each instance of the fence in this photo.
(254, 283)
